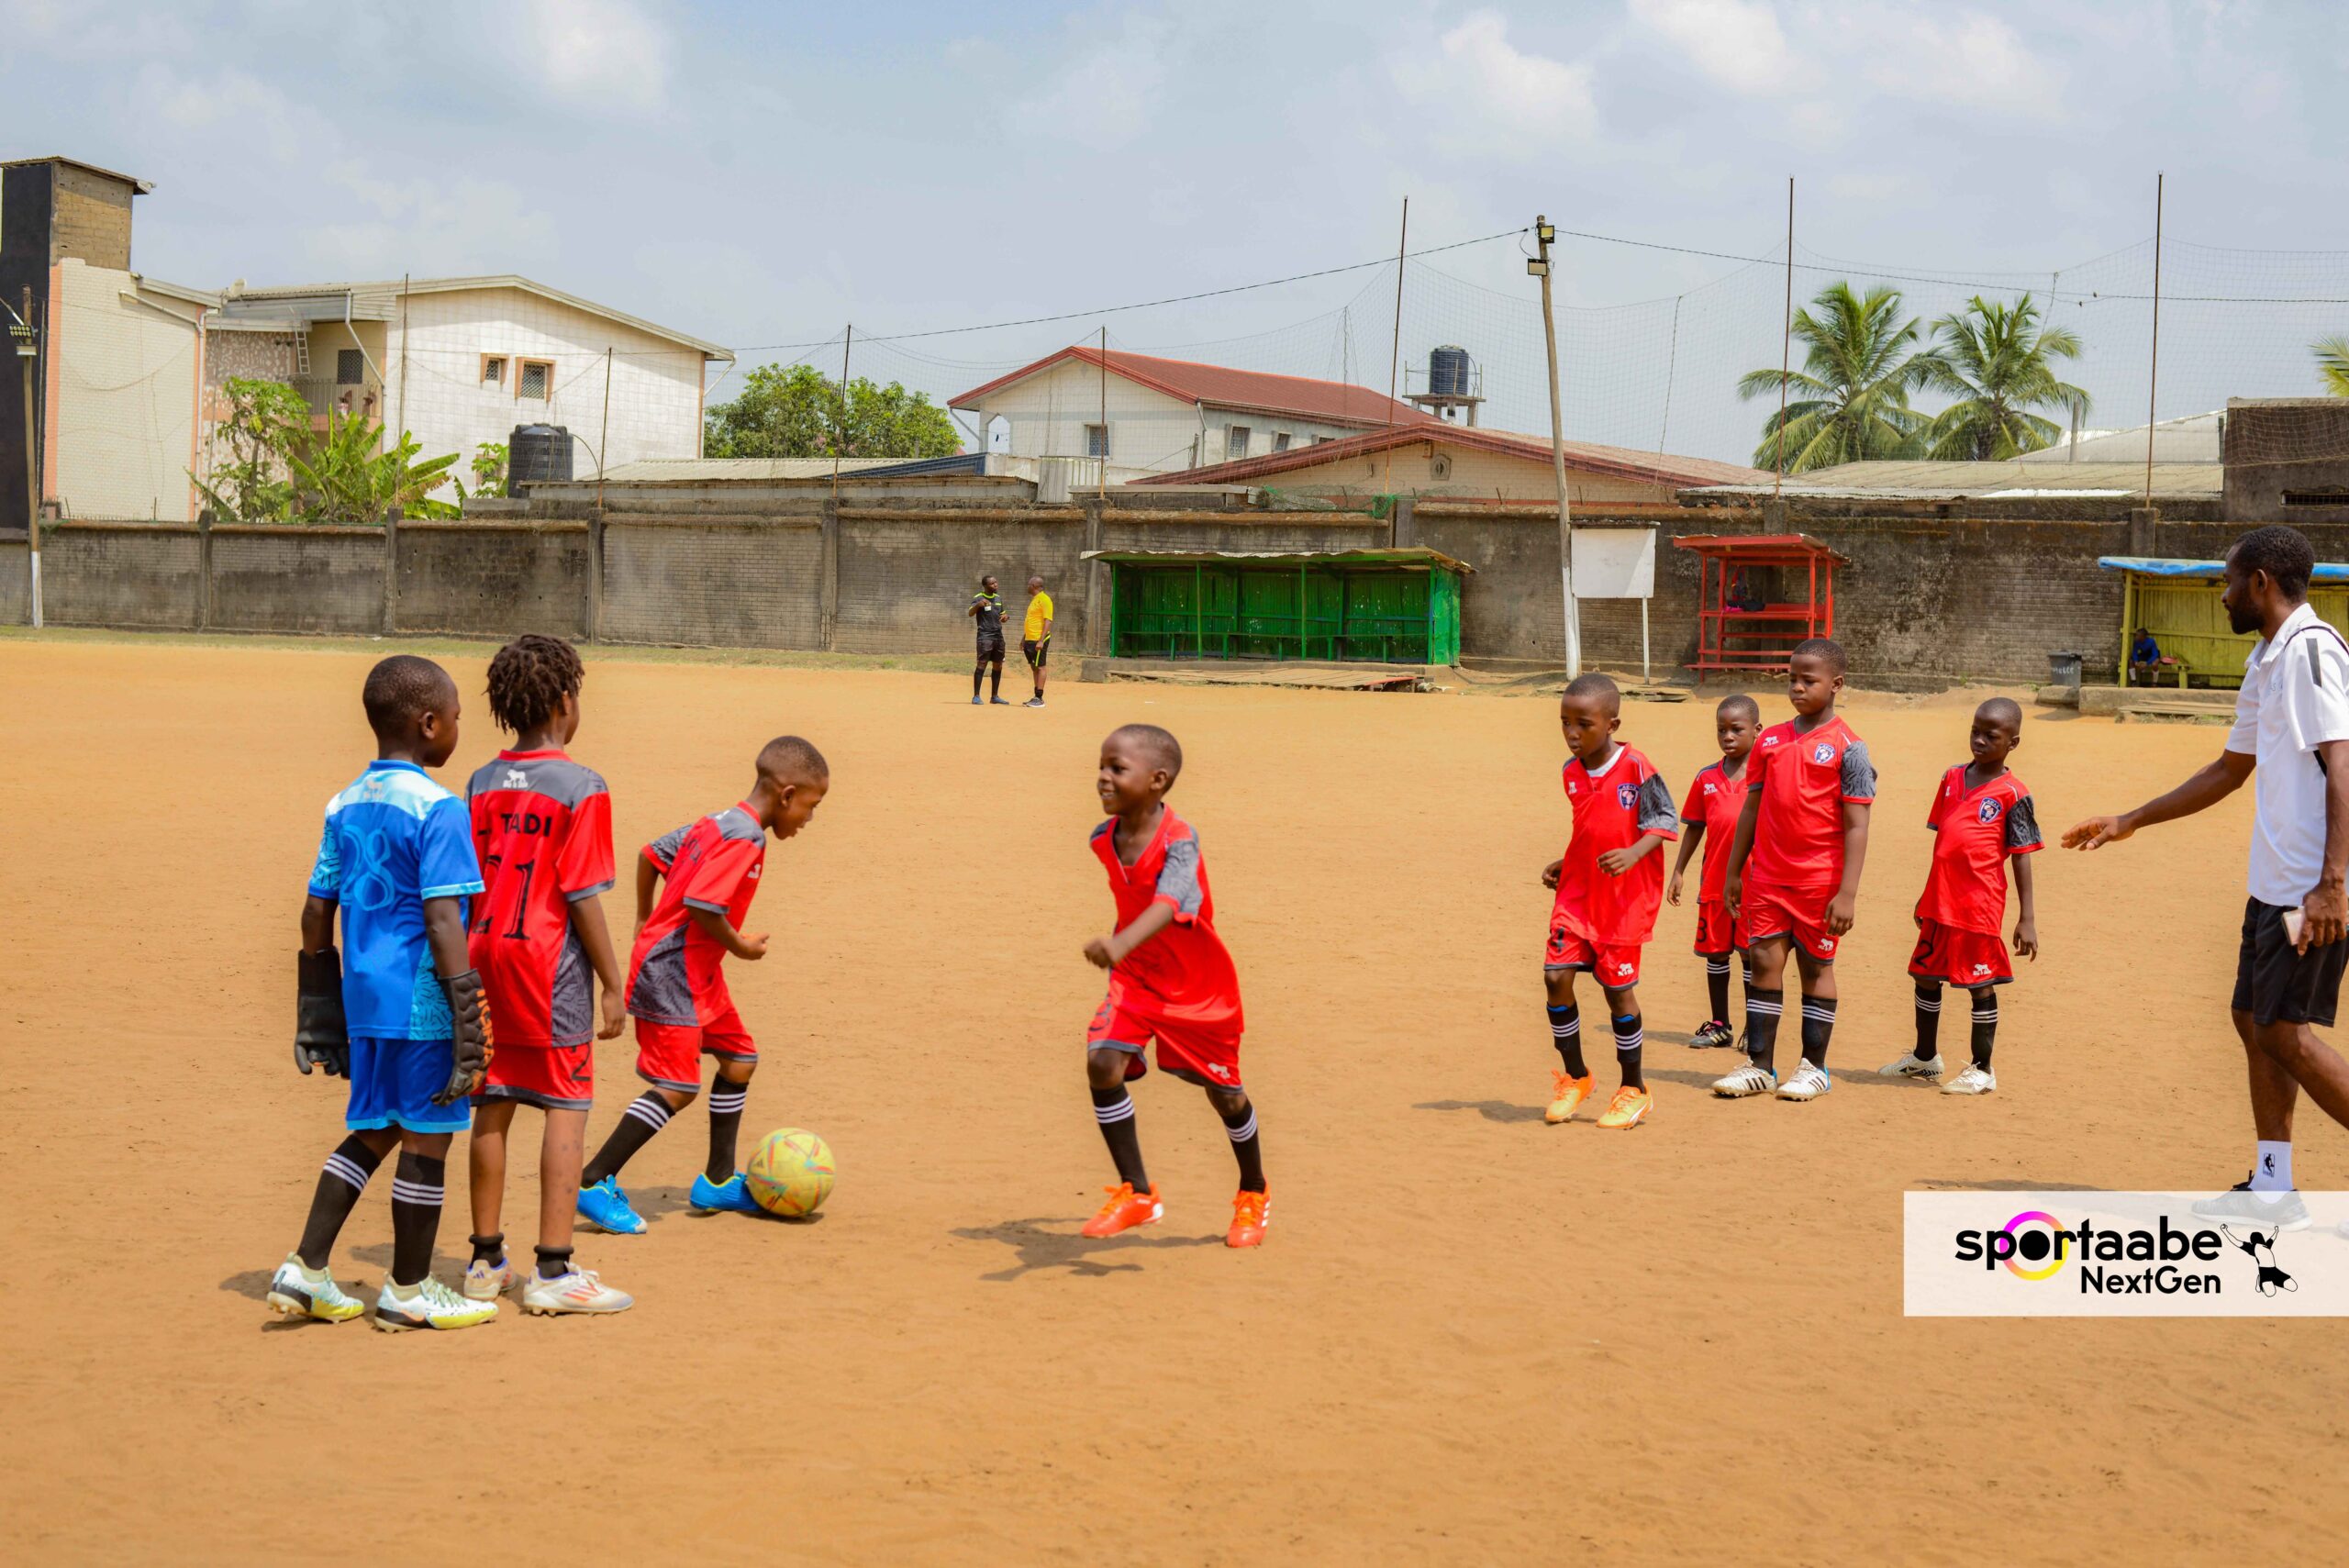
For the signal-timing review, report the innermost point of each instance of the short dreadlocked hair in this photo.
(529, 679)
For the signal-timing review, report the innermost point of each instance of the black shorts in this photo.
(990, 647)
(2274, 982)
(1036, 651)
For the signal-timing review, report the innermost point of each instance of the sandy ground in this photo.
(1471, 1338)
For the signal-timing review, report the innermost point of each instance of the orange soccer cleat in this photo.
(1124, 1209)
(1567, 1095)
(1627, 1108)
(1250, 1212)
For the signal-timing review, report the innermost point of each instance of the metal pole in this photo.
(603, 441)
(26, 354)
(1543, 235)
(403, 414)
(1645, 674)
(1101, 473)
(1394, 356)
(1785, 347)
(839, 433)
(2153, 367)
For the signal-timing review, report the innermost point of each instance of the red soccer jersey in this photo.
(1183, 974)
(674, 974)
(542, 830)
(1715, 800)
(1804, 777)
(1614, 808)
(1973, 832)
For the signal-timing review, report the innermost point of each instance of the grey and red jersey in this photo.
(543, 832)
(675, 974)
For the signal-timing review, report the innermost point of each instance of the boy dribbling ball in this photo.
(1609, 882)
(1170, 981)
(1982, 820)
(1708, 816)
(404, 1020)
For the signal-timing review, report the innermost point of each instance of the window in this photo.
(1097, 440)
(534, 378)
(1323, 440)
(1235, 444)
(350, 367)
(492, 370)
(1280, 441)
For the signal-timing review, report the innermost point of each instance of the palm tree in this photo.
(1997, 360)
(1849, 400)
(2333, 364)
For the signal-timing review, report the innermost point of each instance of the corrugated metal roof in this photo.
(742, 470)
(379, 301)
(1408, 555)
(1584, 457)
(143, 187)
(1960, 481)
(1330, 401)
(2192, 439)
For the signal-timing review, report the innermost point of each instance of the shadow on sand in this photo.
(1052, 1243)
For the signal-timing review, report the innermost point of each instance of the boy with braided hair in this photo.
(405, 1021)
(542, 824)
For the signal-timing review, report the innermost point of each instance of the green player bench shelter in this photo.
(2178, 601)
(1384, 607)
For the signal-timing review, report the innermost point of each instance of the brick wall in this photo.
(713, 581)
(92, 219)
(16, 584)
(127, 574)
(305, 580)
(493, 581)
(904, 586)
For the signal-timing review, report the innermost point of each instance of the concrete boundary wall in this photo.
(15, 583)
(144, 575)
(323, 580)
(713, 581)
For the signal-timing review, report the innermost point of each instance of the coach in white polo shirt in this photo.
(2292, 727)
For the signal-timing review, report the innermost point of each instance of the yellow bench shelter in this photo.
(2178, 601)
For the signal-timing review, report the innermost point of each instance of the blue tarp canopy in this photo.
(2157, 566)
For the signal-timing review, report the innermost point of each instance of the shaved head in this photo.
(2003, 710)
(1148, 741)
(787, 759)
(1595, 687)
(402, 689)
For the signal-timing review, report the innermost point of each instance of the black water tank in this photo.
(1448, 371)
(538, 454)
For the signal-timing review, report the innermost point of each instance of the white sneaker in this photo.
(300, 1292)
(1973, 1081)
(486, 1282)
(1912, 1066)
(579, 1290)
(1751, 1079)
(428, 1304)
(1809, 1082)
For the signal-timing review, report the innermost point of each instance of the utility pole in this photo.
(2153, 365)
(27, 352)
(1544, 233)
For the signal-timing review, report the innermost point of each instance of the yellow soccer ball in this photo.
(790, 1174)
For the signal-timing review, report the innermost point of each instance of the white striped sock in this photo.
(406, 1191)
(1121, 1111)
(1245, 1130)
(1716, 966)
(1932, 1006)
(349, 1170)
(1756, 1005)
(653, 1112)
(727, 1104)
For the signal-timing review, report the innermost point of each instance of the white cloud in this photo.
(1106, 98)
(605, 52)
(1967, 58)
(1485, 93)
(1735, 42)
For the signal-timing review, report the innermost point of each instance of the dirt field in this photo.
(1470, 1338)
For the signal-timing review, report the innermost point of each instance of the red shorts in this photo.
(1616, 967)
(668, 1056)
(1207, 1056)
(551, 1078)
(1968, 959)
(1717, 934)
(1797, 912)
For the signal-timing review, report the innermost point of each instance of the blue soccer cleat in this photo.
(731, 1195)
(605, 1207)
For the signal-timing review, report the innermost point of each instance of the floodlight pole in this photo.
(22, 333)
(1544, 233)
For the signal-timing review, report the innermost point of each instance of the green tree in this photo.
(251, 483)
(798, 411)
(1997, 360)
(345, 478)
(1849, 402)
(2333, 364)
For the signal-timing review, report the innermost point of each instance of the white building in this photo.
(460, 362)
(1146, 415)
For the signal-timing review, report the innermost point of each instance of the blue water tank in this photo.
(1449, 371)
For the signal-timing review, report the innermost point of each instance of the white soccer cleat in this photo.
(579, 1290)
(300, 1292)
(1751, 1079)
(486, 1282)
(1809, 1082)
(1973, 1081)
(428, 1304)
(1912, 1066)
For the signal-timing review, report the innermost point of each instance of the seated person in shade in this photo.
(1740, 594)
(2145, 657)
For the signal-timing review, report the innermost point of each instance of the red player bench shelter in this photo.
(1759, 594)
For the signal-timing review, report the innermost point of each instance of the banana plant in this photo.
(342, 478)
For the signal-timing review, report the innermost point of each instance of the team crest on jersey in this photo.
(1822, 752)
(1988, 811)
(516, 779)
(1626, 795)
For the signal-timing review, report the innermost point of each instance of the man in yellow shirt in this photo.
(1036, 635)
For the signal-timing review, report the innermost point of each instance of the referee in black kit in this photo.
(986, 608)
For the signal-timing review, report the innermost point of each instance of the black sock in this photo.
(415, 1215)
(1985, 1024)
(1928, 1021)
(1246, 1147)
(1629, 1036)
(646, 1115)
(339, 1184)
(488, 1249)
(978, 674)
(553, 1262)
(994, 681)
(1817, 1029)
(1762, 1026)
(725, 1120)
(1114, 1109)
(1566, 1033)
(1717, 988)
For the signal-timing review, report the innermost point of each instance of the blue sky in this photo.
(760, 174)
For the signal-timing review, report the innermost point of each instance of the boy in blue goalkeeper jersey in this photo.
(404, 1020)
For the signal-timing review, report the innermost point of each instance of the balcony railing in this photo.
(327, 395)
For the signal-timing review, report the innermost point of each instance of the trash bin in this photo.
(2064, 668)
